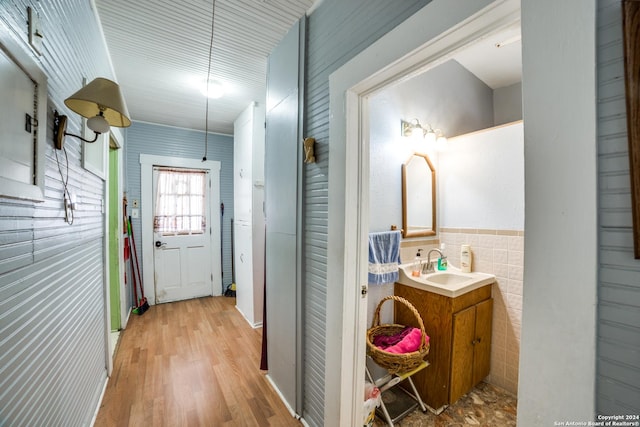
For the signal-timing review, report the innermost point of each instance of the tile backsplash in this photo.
(499, 252)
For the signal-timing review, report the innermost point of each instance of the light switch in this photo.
(35, 31)
(134, 213)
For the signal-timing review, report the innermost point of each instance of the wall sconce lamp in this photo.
(414, 129)
(101, 103)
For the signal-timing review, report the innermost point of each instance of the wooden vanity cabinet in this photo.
(459, 332)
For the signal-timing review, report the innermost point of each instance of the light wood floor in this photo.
(191, 363)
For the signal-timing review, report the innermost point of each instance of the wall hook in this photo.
(309, 156)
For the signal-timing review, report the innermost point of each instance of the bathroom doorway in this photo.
(479, 170)
(350, 88)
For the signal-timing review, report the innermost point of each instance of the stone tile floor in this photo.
(485, 405)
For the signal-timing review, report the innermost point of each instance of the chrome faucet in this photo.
(428, 267)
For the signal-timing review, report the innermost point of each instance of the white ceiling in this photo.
(496, 66)
(160, 54)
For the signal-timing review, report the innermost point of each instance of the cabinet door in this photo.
(471, 348)
(244, 270)
(242, 165)
(462, 353)
(482, 347)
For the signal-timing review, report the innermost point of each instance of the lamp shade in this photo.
(101, 95)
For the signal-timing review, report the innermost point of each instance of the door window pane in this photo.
(180, 202)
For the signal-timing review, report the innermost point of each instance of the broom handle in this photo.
(135, 254)
(133, 272)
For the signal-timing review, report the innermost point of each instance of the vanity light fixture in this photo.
(100, 102)
(435, 137)
(430, 135)
(414, 129)
(441, 140)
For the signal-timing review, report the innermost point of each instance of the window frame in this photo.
(24, 60)
(173, 170)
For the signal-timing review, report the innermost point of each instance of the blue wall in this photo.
(52, 321)
(145, 138)
(336, 32)
(618, 355)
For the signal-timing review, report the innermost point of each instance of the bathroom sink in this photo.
(448, 278)
(450, 283)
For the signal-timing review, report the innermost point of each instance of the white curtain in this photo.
(180, 202)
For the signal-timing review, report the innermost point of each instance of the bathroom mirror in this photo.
(418, 197)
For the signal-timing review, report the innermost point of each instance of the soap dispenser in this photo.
(417, 262)
(465, 258)
(442, 261)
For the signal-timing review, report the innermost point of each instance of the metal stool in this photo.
(391, 380)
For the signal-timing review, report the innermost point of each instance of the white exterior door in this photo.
(182, 256)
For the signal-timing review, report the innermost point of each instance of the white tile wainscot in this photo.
(498, 252)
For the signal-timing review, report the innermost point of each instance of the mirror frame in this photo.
(405, 226)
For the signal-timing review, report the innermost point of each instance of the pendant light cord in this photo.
(206, 113)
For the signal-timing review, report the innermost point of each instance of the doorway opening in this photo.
(116, 301)
(423, 47)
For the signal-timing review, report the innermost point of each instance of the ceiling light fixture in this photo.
(100, 102)
(213, 89)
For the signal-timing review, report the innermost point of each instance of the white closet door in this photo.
(242, 166)
(244, 270)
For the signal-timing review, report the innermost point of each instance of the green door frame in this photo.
(114, 232)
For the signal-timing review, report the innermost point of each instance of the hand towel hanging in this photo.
(384, 257)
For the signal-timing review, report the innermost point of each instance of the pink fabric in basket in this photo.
(408, 344)
(384, 341)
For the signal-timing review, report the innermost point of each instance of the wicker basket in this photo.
(395, 363)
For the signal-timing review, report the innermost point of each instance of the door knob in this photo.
(159, 244)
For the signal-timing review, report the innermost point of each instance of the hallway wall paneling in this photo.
(52, 305)
(337, 31)
(618, 344)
